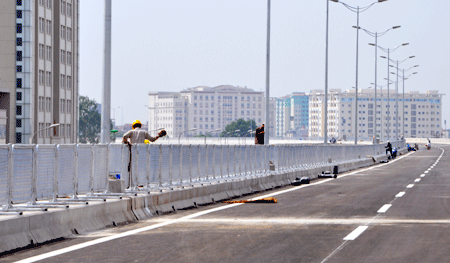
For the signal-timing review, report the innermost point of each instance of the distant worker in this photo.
(388, 148)
(138, 135)
(259, 135)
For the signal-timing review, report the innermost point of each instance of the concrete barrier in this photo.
(39, 227)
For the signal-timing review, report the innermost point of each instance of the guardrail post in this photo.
(214, 161)
(160, 168)
(147, 161)
(181, 166)
(9, 183)
(170, 166)
(75, 173)
(228, 161)
(91, 177)
(33, 175)
(190, 164)
(55, 178)
(108, 152)
(221, 161)
(234, 160)
(206, 162)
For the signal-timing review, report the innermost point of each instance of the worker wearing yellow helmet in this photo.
(138, 135)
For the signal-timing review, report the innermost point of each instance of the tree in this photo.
(90, 120)
(241, 125)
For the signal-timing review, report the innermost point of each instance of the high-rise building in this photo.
(206, 109)
(292, 115)
(421, 116)
(39, 70)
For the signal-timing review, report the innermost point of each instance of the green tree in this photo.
(90, 120)
(241, 125)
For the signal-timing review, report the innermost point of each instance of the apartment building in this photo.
(206, 109)
(292, 115)
(39, 70)
(420, 117)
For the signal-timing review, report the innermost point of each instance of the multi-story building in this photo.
(422, 114)
(39, 70)
(292, 113)
(206, 109)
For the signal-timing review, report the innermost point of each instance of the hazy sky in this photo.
(169, 45)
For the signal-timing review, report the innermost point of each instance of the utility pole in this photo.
(106, 93)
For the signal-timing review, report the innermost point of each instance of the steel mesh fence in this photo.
(23, 170)
(3, 174)
(45, 171)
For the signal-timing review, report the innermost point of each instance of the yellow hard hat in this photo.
(136, 122)
(146, 141)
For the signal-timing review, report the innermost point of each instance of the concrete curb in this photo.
(39, 227)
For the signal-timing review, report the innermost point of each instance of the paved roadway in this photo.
(395, 212)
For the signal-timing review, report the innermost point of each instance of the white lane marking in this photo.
(417, 180)
(384, 208)
(422, 175)
(410, 186)
(135, 231)
(358, 231)
(426, 172)
(400, 194)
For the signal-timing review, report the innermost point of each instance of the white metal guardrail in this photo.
(33, 173)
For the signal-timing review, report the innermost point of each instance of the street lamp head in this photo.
(392, 73)
(382, 57)
(391, 66)
(54, 125)
(395, 27)
(415, 66)
(357, 27)
(416, 73)
(336, 1)
(405, 44)
(412, 56)
(371, 44)
(193, 129)
(381, 1)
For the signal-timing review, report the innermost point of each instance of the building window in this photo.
(19, 68)
(69, 10)
(69, 58)
(49, 4)
(19, 28)
(68, 130)
(62, 104)
(63, 7)
(18, 123)
(19, 42)
(62, 81)
(41, 103)
(41, 77)
(19, 110)
(49, 53)
(41, 51)
(69, 34)
(48, 78)
(69, 106)
(49, 27)
(63, 57)
(18, 83)
(19, 2)
(63, 32)
(48, 104)
(18, 13)
(41, 24)
(61, 130)
(19, 56)
(69, 82)
(19, 96)
(18, 137)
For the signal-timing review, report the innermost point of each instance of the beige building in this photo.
(206, 109)
(39, 70)
(421, 116)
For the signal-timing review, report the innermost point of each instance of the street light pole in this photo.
(266, 132)
(325, 137)
(46, 128)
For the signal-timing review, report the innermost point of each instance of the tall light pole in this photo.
(396, 91)
(46, 128)
(106, 94)
(376, 35)
(403, 97)
(381, 111)
(179, 136)
(266, 131)
(389, 51)
(325, 137)
(357, 10)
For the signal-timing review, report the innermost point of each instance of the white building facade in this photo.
(39, 55)
(206, 109)
(419, 115)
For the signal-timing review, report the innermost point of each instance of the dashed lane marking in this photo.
(384, 208)
(400, 194)
(410, 186)
(358, 231)
(417, 180)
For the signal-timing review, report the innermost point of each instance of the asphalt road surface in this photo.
(395, 212)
